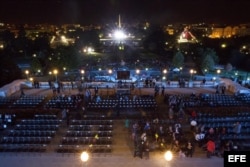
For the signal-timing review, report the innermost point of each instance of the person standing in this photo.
(210, 148)
(237, 129)
(146, 150)
(96, 90)
(127, 123)
(189, 149)
(171, 112)
(163, 91)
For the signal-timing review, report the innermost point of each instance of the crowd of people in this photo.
(160, 135)
(168, 134)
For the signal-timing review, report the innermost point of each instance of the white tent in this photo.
(13, 87)
(234, 87)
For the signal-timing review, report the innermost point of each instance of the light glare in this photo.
(119, 35)
(84, 156)
(168, 156)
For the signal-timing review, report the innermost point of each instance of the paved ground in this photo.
(122, 155)
(56, 160)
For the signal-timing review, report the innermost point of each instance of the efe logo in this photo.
(236, 159)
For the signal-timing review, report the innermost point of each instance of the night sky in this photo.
(131, 11)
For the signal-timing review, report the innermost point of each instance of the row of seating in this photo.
(223, 103)
(111, 104)
(45, 116)
(69, 102)
(31, 101)
(209, 100)
(223, 119)
(25, 140)
(222, 100)
(94, 133)
(244, 130)
(41, 122)
(242, 145)
(89, 127)
(6, 102)
(37, 127)
(23, 148)
(52, 104)
(79, 148)
(224, 125)
(106, 107)
(83, 133)
(245, 98)
(92, 122)
(31, 133)
(86, 140)
(96, 117)
(238, 137)
(28, 101)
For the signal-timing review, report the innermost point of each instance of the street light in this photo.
(191, 72)
(110, 72)
(218, 74)
(137, 73)
(218, 71)
(38, 71)
(65, 70)
(82, 72)
(55, 72)
(27, 74)
(165, 71)
(84, 157)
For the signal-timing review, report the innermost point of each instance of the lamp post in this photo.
(55, 73)
(137, 71)
(191, 73)
(84, 157)
(27, 74)
(110, 72)
(165, 71)
(218, 74)
(82, 73)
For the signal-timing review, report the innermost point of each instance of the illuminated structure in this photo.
(119, 36)
(187, 37)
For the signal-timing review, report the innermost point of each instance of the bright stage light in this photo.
(119, 35)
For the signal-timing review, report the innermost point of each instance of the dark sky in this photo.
(105, 11)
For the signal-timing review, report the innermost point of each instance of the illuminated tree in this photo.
(207, 63)
(35, 65)
(207, 59)
(178, 60)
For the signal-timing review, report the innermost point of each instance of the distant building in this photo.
(229, 31)
(187, 36)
